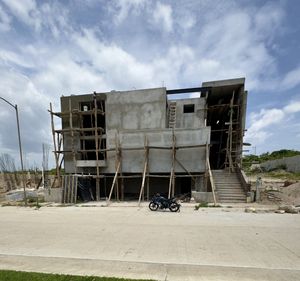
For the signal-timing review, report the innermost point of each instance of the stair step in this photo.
(228, 186)
(232, 201)
(228, 182)
(230, 192)
(231, 198)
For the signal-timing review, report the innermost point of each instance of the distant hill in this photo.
(278, 154)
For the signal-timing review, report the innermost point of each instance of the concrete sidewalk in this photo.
(209, 244)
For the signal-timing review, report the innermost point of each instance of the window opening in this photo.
(188, 108)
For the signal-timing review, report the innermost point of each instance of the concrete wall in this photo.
(132, 115)
(203, 197)
(292, 164)
(194, 119)
(53, 195)
(160, 161)
(135, 110)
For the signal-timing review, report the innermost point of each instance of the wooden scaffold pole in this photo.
(97, 147)
(210, 175)
(118, 166)
(229, 138)
(172, 175)
(145, 170)
(72, 137)
(56, 154)
(113, 183)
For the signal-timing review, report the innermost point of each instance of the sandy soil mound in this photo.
(291, 194)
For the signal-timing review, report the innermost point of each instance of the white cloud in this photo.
(25, 10)
(67, 57)
(269, 17)
(113, 63)
(34, 120)
(162, 16)
(187, 22)
(122, 8)
(13, 58)
(4, 20)
(264, 123)
(291, 79)
(292, 107)
(63, 76)
(51, 16)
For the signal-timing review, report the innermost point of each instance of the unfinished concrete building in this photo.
(123, 145)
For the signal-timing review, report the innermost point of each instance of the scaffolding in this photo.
(84, 130)
(97, 134)
(230, 134)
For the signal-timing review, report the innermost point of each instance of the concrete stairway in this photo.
(229, 187)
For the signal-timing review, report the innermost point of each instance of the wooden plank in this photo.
(148, 185)
(63, 190)
(71, 189)
(66, 188)
(75, 193)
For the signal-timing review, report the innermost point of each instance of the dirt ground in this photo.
(126, 241)
(278, 191)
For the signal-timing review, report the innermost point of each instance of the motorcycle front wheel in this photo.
(174, 207)
(153, 206)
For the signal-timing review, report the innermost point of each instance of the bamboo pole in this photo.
(121, 171)
(172, 175)
(97, 147)
(210, 176)
(181, 165)
(72, 136)
(113, 183)
(144, 171)
(173, 163)
(117, 163)
(229, 137)
(56, 156)
(76, 183)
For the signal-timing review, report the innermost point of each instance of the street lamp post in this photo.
(20, 146)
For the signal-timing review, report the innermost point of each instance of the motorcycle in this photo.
(159, 202)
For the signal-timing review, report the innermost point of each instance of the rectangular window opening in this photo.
(188, 108)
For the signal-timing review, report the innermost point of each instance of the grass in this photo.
(276, 174)
(284, 175)
(9, 275)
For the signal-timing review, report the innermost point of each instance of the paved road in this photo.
(212, 244)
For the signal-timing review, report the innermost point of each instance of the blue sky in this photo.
(54, 48)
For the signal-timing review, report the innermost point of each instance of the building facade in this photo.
(133, 144)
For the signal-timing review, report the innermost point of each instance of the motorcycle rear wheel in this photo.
(153, 206)
(174, 207)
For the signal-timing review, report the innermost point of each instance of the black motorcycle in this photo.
(159, 202)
